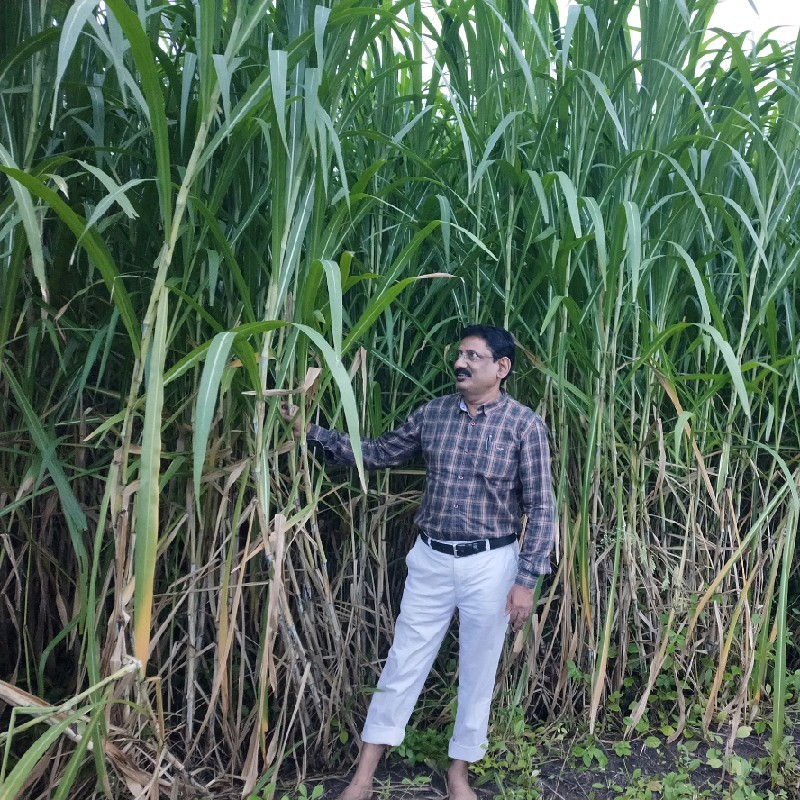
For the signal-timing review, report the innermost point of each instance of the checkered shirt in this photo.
(483, 472)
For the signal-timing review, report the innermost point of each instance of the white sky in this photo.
(738, 15)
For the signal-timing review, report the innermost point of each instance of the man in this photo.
(488, 463)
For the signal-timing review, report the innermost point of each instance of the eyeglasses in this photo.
(472, 356)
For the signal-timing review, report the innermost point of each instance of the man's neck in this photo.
(473, 403)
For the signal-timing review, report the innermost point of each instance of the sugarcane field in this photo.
(399, 400)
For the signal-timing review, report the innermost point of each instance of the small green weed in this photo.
(416, 781)
(302, 792)
(590, 753)
(424, 746)
(511, 758)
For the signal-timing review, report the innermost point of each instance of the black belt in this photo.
(468, 548)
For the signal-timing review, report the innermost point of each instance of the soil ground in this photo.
(641, 774)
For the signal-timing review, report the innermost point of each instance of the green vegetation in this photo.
(209, 207)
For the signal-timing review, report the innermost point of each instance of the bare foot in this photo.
(360, 787)
(357, 791)
(458, 782)
(461, 793)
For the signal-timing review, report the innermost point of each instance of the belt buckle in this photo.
(469, 548)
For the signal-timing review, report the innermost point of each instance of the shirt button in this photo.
(461, 477)
(455, 505)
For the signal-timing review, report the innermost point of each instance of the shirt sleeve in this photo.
(537, 504)
(389, 450)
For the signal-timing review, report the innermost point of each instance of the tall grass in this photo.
(210, 208)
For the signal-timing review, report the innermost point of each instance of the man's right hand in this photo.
(291, 414)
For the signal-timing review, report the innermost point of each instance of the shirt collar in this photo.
(482, 409)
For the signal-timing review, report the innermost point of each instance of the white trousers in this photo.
(437, 585)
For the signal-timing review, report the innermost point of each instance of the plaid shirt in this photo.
(483, 472)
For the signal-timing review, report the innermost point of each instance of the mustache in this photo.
(462, 372)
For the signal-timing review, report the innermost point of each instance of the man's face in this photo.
(475, 369)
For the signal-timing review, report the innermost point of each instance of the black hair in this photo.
(498, 340)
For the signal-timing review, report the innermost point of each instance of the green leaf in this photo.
(571, 196)
(215, 360)
(603, 92)
(622, 748)
(27, 213)
(702, 290)
(334, 279)
(490, 144)
(77, 16)
(224, 70)
(652, 741)
(379, 304)
(151, 86)
(732, 363)
(278, 65)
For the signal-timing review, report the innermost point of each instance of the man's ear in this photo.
(503, 366)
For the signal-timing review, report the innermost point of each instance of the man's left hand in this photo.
(519, 606)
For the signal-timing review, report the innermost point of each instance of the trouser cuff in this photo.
(379, 734)
(464, 753)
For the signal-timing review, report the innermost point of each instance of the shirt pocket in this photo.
(499, 459)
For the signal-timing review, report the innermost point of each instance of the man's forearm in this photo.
(336, 446)
(388, 450)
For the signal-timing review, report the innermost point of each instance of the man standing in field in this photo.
(488, 463)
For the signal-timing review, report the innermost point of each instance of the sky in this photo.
(738, 15)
